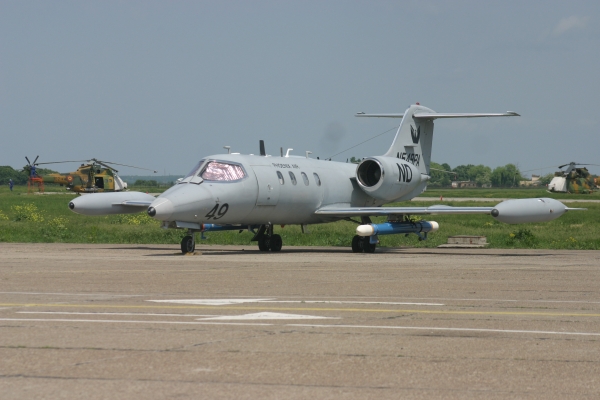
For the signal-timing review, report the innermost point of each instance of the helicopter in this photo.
(572, 180)
(92, 176)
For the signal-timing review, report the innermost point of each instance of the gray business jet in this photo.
(256, 192)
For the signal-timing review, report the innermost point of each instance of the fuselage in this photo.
(251, 189)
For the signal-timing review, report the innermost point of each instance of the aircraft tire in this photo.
(188, 245)
(369, 247)
(357, 244)
(276, 243)
(263, 243)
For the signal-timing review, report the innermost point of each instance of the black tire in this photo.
(276, 243)
(264, 243)
(188, 245)
(369, 247)
(357, 244)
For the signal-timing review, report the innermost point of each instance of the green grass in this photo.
(507, 193)
(34, 219)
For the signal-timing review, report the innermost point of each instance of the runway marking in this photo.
(351, 302)
(218, 302)
(211, 302)
(76, 294)
(312, 309)
(107, 313)
(417, 328)
(265, 315)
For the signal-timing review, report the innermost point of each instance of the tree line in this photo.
(19, 177)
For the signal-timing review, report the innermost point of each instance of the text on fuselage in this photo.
(412, 158)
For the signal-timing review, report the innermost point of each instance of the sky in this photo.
(162, 84)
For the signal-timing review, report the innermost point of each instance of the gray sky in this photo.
(162, 84)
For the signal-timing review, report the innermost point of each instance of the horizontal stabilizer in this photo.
(464, 115)
(434, 115)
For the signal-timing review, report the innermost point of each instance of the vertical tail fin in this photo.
(414, 137)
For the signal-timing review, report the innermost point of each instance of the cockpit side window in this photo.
(194, 172)
(222, 172)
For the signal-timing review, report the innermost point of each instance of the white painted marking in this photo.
(211, 302)
(76, 294)
(351, 302)
(422, 328)
(265, 315)
(107, 313)
(425, 328)
(221, 302)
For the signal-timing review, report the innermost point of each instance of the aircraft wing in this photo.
(383, 211)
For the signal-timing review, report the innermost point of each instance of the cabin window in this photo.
(317, 179)
(280, 176)
(293, 178)
(222, 172)
(305, 178)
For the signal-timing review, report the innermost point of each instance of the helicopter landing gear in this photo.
(267, 241)
(362, 244)
(188, 244)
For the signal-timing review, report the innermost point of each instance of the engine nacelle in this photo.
(387, 178)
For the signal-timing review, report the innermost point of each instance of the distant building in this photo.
(463, 184)
(535, 181)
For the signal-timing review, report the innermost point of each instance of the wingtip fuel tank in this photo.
(519, 211)
(111, 203)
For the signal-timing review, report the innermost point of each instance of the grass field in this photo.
(36, 218)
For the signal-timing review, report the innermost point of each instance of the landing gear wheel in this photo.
(369, 247)
(276, 243)
(188, 245)
(362, 244)
(264, 242)
(357, 244)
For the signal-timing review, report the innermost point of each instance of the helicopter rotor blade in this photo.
(35, 160)
(28, 162)
(61, 162)
(125, 165)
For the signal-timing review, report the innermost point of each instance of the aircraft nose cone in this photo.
(161, 209)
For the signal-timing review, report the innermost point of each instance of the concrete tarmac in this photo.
(230, 322)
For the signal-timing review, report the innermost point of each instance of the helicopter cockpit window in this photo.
(222, 172)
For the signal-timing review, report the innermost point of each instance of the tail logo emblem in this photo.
(415, 134)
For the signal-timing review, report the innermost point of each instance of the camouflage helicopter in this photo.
(92, 176)
(572, 180)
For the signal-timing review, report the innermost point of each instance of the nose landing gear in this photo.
(188, 243)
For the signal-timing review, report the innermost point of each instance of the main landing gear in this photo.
(362, 244)
(267, 241)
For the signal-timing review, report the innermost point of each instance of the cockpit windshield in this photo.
(222, 172)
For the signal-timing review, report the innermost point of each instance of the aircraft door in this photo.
(268, 185)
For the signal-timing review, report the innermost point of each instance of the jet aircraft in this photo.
(257, 192)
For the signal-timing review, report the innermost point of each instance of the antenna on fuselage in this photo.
(262, 148)
(307, 153)
(287, 154)
(281, 151)
(228, 149)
